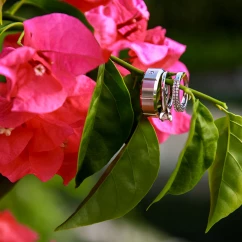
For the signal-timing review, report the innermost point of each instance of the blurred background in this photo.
(212, 31)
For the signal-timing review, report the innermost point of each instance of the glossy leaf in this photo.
(108, 124)
(124, 183)
(225, 175)
(134, 85)
(197, 155)
(56, 6)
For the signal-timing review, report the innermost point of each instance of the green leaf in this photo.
(124, 183)
(133, 84)
(197, 155)
(56, 6)
(225, 175)
(6, 186)
(11, 25)
(108, 124)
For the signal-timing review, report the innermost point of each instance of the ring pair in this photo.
(157, 97)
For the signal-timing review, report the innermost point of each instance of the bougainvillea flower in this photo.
(180, 124)
(86, 5)
(66, 41)
(30, 82)
(119, 23)
(70, 148)
(49, 142)
(41, 74)
(156, 51)
(12, 231)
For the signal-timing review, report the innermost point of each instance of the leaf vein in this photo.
(232, 191)
(235, 161)
(236, 137)
(235, 123)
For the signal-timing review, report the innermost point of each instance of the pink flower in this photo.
(44, 144)
(57, 48)
(157, 51)
(86, 5)
(12, 231)
(119, 23)
(45, 100)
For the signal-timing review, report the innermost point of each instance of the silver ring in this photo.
(166, 100)
(179, 106)
(150, 97)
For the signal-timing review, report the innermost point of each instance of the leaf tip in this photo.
(149, 207)
(209, 226)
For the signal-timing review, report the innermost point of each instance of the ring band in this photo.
(150, 97)
(166, 99)
(179, 106)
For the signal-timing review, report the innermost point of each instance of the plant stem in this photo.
(15, 7)
(126, 65)
(199, 94)
(8, 16)
(169, 82)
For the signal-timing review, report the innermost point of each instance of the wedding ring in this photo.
(166, 99)
(179, 106)
(150, 97)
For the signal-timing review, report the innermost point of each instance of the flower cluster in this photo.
(45, 99)
(44, 102)
(122, 24)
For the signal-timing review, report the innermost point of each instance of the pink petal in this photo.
(178, 66)
(149, 54)
(41, 94)
(32, 93)
(155, 35)
(12, 231)
(69, 168)
(17, 168)
(17, 56)
(69, 165)
(47, 135)
(68, 42)
(180, 123)
(13, 145)
(76, 105)
(9, 118)
(105, 28)
(43, 165)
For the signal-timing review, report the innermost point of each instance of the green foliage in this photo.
(225, 175)
(197, 155)
(134, 85)
(108, 124)
(124, 183)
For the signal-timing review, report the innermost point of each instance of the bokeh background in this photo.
(212, 31)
